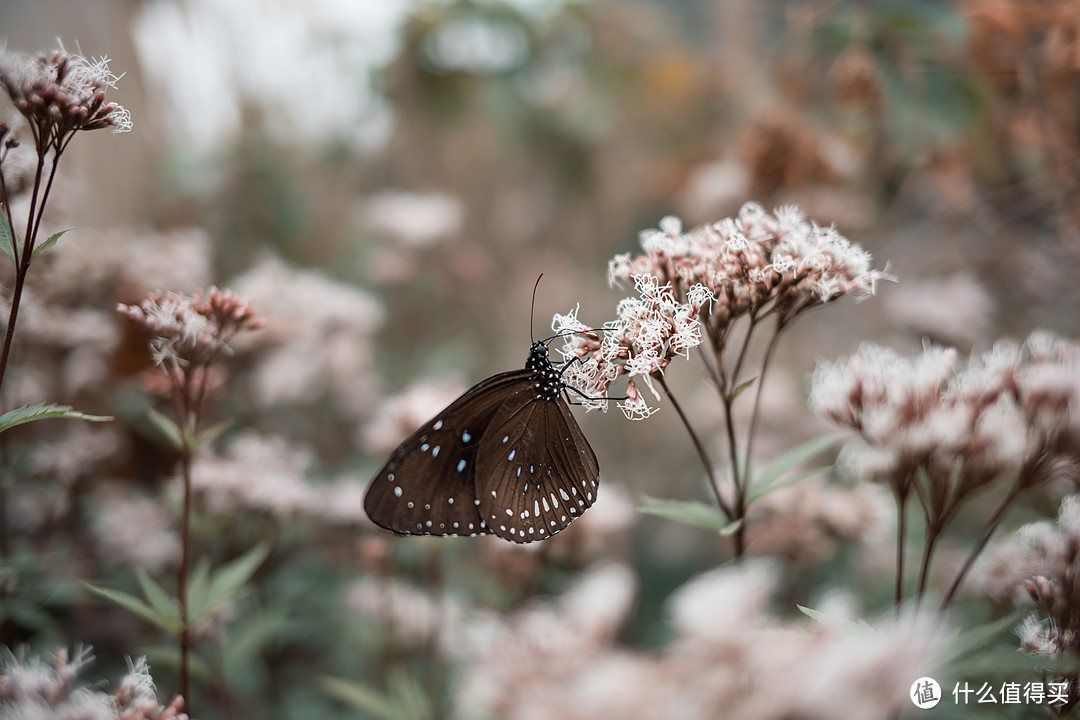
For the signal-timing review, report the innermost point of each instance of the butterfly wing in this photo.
(540, 472)
(428, 486)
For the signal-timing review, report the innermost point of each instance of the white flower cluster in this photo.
(561, 658)
(650, 330)
(752, 260)
(60, 93)
(1001, 411)
(753, 264)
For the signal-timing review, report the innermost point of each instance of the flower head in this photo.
(191, 330)
(753, 261)
(651, 330)
(1009, 409)
(60, 94)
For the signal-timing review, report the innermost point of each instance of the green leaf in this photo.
(363, 697)
(410, 694)
(691, 512)
(743, 388)
(233, 576)
(5, 241)
(405, 700)
(167, 426)
(212, 433)
(41, 411)
(156, 595)
(252, 633)
(198, 584)
(832, 620)
(50, 242)
(775, 470)
(135, 605)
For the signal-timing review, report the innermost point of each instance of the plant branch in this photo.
(697, 446)
(991, 526)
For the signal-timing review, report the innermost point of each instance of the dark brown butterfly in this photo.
(506, 458)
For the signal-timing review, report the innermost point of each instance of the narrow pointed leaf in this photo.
(233, 576)
(167, 426)
(757, 494)
(833, 621)
(743, 388)
(6, 243)
(789, 460)
(42, 411)
(363, 697)
(50, 242)
(212, 433)
(410, 695)
(690, 512)
(133, 604)
(198, 590)
(156, 596)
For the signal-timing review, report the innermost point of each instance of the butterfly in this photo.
(506, 458)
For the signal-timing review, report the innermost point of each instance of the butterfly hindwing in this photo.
(540, 471)
(428, 486)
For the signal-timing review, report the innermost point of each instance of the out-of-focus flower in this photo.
(317, 342)
(133, 529)
(398, 416)
(1041, 563)
(30, 688)
(417, 220)
(806, 521)
(729, 657)
(190, 331)
(406, 612)
(1011, 408)
(954, 311)
(256, 473)
(60, 94)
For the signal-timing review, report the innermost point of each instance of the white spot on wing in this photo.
(437, 425)
(397, 491)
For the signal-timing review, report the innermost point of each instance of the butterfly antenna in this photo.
(532, 309)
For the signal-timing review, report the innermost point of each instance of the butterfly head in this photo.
(546, 378)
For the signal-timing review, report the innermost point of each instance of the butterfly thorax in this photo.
(547, 380)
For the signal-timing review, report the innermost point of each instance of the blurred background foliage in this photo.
(387, 180)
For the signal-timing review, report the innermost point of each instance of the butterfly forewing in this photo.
(541, 472)
(428, 486)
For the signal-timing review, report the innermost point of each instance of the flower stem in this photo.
(988, 531)
(182, 577)
(901, 539)
(697, 446)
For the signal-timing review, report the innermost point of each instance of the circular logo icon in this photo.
(925, 693)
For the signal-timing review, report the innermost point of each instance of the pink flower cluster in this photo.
(60, 93)
(191, 330)
(650, 330)
(753, 263)
(33, 689)
(1010, 409)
